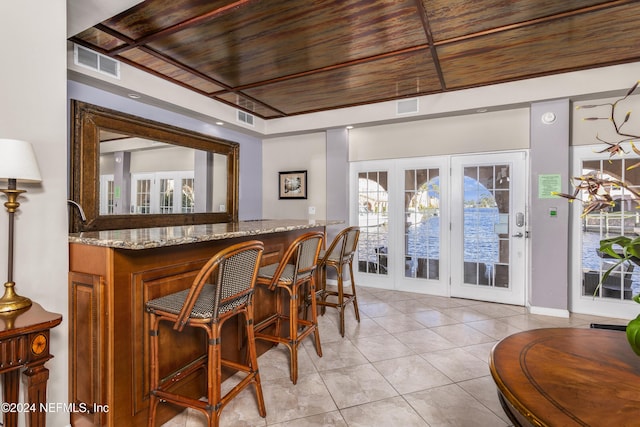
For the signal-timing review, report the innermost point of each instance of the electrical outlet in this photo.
(312, 210)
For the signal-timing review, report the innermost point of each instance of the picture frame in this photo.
(292, 185)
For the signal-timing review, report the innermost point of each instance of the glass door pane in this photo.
(485, 226)
(373, 218)
(107, 195)
(166, 195)
(143, 196)
(188, 202)
(422, 223)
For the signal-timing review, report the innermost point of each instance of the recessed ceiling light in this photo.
(349, 127)
(482, 110)
(134, 96)
(220, 123)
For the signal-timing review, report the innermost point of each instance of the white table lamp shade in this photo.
(18, 161)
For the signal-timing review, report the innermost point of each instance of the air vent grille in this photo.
(246, 118)
(407, 106)
(96, 61)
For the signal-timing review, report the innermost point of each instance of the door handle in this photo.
(518, 234)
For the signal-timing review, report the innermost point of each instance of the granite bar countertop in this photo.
(147, 238)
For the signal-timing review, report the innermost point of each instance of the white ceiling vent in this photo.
(407, 106)
(246, 118)
(96, 61)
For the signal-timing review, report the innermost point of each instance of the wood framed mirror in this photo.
(131, 172)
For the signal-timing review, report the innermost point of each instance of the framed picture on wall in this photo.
(293, 185)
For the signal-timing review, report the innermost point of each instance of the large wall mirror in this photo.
(130, 172)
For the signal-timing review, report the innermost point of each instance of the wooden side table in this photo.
(24, 344)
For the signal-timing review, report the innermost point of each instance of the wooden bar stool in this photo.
(287, 277)
(340, 253)
(222, 289)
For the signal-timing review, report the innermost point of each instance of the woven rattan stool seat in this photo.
(202, 309)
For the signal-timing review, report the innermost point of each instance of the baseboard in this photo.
(545, 311)
(345, 283)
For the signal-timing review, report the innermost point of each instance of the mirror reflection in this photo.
(131, 172)
(143, 176)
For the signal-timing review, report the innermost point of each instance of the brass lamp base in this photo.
(11, 301)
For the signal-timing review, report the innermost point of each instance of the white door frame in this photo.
(582, 303)
(516, 229)
(395, 277)
(448, 243)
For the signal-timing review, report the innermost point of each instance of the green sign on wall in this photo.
(548, 184)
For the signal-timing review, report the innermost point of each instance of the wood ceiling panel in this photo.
(157, 65)
(99, 40)
(449, 19)
(269, 40)
(582, 41)
(279, 57)
(400, 76)
(152, 16)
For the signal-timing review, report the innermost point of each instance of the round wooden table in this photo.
(568, 377)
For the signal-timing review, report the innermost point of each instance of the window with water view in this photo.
(622, 219)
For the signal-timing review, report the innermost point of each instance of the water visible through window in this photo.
(622, 219)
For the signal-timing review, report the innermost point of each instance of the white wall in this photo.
(493, 131)
(33, 107)
(584, 132)
(302, 152)
(167, 159)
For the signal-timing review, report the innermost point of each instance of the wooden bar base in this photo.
(109, 345)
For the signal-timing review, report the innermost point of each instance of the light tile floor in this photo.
(413, 360)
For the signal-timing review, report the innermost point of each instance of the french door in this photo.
(399, 207)
(488, 227)
(412, 215)
(162, 192)
(590, 291)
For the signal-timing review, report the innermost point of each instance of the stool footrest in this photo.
(263, 324)
(346, 299)
(309, 327)
(182, 400)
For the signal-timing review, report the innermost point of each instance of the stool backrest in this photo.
(307, 257)
(233, 271)
(302, 253)
(344, 245)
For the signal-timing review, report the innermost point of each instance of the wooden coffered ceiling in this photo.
(277, 58)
